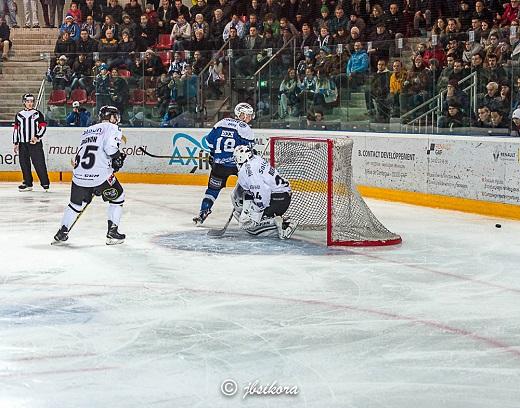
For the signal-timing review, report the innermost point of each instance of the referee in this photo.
(29, 128)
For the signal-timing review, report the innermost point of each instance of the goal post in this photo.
(324, 196)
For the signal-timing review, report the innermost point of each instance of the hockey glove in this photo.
(118, 161)
(251, 215)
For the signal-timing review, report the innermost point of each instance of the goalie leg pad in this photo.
(267, 224)
(285, 228)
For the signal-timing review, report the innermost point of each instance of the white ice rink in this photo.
(164, 319)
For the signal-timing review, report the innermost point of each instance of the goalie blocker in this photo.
(261, 196)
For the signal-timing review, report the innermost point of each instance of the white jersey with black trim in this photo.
(93, 164)
(257, 177)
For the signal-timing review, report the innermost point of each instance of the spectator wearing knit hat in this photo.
(71, 27)
(61, 74)
(323, 20)
(128, 25)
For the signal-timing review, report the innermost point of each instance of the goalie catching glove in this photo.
(251, 214)
(118, 160)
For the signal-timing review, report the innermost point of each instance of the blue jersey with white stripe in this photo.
(227, 134)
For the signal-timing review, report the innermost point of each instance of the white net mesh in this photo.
(306, 163)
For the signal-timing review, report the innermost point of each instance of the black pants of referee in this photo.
(33, 152)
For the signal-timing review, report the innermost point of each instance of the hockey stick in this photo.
(74, 223)
(158, 156)
(221, 231)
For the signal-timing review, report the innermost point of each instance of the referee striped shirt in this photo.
(27, 124)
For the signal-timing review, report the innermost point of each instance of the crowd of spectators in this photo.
(354, 45)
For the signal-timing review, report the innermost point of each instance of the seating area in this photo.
(395, 69)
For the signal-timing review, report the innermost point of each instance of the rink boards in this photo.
(476, 174)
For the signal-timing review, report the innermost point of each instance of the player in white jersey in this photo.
(265, 195)
(97, 160)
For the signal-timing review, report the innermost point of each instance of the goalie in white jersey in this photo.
(261, 196)
(97, 160)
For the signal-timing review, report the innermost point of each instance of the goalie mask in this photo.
(242, 154)
(110, 113)
(245, 112)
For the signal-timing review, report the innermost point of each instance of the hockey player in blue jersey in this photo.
(222, 140)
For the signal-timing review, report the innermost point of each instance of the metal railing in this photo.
(427, 121)
(201, 94)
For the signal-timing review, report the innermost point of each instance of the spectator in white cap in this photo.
(515, 123)
(79, 116)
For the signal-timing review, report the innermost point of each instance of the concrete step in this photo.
(27, 70)
(18, 87)
(24, 82)
(40, 46)
(26, 58)
(29, 77)
(29, 42)
(21, 64)
(16, 95)
(34, 33)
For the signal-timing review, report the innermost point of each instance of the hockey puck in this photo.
(498, 225)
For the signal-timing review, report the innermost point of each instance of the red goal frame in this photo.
(330, 167)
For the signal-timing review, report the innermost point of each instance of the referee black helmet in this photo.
(107, 112)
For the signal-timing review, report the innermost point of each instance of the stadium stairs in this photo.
(26, 68)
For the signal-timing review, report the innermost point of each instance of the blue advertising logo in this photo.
(188, 151)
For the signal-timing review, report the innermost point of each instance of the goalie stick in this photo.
(221, 231)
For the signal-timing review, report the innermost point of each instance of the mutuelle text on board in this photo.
(387, 155)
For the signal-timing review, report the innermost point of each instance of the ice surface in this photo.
(164, 319)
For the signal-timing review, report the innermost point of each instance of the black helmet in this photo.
(27, 97)
(106, 112)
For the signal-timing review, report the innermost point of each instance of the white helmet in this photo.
(244, 108)
(242, 154)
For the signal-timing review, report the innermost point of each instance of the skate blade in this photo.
(58, 243)
(25, 189)
(114, 241)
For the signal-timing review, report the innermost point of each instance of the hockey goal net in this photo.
(324, 196)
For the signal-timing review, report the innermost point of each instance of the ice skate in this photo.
(114, 237)
(201, 217)
(61, 236)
